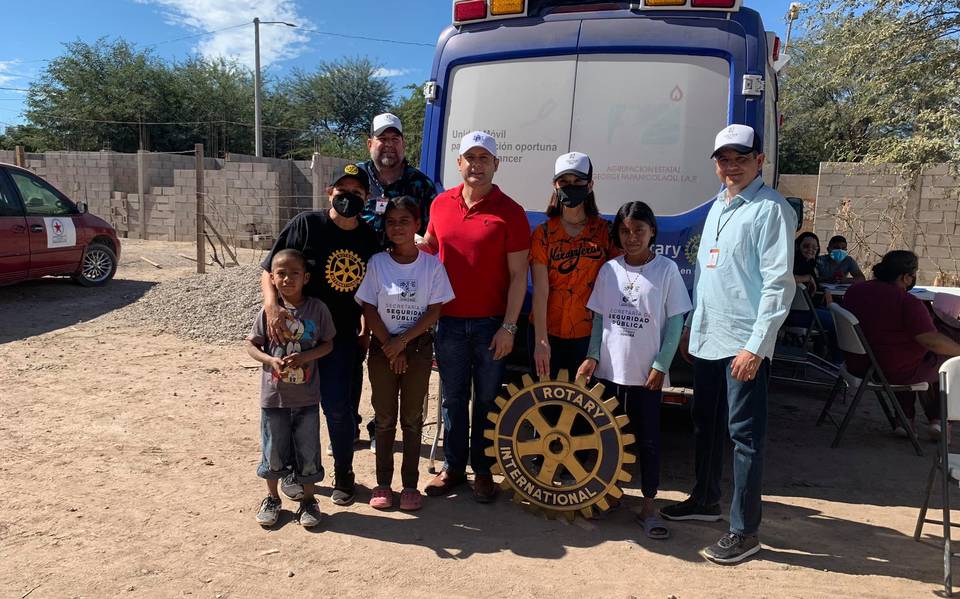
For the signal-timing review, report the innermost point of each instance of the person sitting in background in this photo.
(806, 251)
(837, 266)
(901, 332)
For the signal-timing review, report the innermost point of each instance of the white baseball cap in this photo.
(385, 121)
(740, 138)
(573, 163)
(476, 139)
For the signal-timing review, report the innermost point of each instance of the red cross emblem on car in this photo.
(57, 226)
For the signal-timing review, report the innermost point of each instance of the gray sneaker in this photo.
(343, 489)
(732, 548)
(309, 514)
(291, 488)
(269, 511)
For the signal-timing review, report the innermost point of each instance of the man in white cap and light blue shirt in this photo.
(482, 238)
(743, 289)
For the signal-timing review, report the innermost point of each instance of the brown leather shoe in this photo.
(484, 489)
(443, 483)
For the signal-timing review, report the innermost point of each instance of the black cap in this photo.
(354, 171)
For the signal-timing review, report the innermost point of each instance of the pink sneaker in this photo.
(411, 500)
(382, 498)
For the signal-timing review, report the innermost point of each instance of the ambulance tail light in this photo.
(776, 49)
(712, 3)
(506, 7)
(469, 10)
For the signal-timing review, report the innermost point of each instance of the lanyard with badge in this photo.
(714, 255)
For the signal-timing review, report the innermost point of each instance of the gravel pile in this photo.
(217, 307)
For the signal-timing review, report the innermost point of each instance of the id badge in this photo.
(381, 206)
(713, 257)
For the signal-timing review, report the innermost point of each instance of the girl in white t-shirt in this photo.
(401, 295)
(638, 302)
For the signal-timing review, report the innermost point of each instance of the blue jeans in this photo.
(336, 384)
(464, 358)
(722, 406)
(290, 441)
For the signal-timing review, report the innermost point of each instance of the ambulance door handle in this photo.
(36, 228)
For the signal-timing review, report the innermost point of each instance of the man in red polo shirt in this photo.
(483, 238)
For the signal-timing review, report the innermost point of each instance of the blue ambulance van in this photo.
(642, 87)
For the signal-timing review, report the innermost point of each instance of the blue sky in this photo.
(35, 32)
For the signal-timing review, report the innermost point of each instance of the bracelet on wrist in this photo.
(509, 327)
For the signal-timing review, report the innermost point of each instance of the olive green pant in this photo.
(403, 393)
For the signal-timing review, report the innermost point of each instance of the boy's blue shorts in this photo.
(290, 438)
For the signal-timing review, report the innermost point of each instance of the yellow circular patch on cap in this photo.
(351, 169)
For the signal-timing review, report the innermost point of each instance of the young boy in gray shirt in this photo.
(290, 391)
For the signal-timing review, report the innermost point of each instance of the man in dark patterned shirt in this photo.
(390, 177)
(390, 174)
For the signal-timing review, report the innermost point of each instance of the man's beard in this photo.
(388, 160)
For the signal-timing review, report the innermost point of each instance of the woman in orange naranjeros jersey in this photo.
(566, 252)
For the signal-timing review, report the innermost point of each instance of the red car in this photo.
(43, 233)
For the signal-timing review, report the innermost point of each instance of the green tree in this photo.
(411, 110)
(338, 102)
(869, 82)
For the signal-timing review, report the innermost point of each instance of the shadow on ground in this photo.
(44, 305)
(872, 467)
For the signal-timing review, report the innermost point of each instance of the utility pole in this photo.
(257, 133)
(792, 15)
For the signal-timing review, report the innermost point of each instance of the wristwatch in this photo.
(509, 327)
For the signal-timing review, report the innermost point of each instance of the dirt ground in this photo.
(129, 470)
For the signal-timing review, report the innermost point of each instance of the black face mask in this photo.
(347, 204)
(572, 196)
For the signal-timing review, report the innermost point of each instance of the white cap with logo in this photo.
(573, 163)
(385, 121)
(740, 138)
(478, 139)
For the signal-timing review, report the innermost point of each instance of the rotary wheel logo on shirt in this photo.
(344, 270)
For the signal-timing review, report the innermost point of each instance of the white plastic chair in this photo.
(949, 410)
(851, 339)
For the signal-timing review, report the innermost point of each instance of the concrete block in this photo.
(930, 216)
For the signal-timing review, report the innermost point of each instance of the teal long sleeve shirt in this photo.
(743, 283)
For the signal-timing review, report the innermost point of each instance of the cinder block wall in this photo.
(804, 187)
(879, 207)
(247, 199)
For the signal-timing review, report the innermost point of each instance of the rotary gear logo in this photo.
(344, 271)
(691, 249)
(559, 446)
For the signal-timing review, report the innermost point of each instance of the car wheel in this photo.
(97, 267)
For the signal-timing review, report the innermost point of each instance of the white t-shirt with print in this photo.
(402, 292)
(635, 302)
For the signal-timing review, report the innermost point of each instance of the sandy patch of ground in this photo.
(129, 469)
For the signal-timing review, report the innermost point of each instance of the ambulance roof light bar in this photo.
(472, 11)
(466, 11)
(711, 5)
